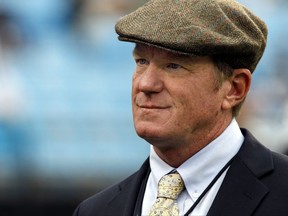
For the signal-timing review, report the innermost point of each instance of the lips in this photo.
(145, 103)
(149, 106)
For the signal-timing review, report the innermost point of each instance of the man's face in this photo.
(174, 97)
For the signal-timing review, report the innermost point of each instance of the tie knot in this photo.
(170, 186)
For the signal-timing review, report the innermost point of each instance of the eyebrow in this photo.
(175, 55)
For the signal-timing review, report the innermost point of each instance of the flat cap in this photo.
(222, 28)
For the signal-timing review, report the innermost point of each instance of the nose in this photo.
(151, 80)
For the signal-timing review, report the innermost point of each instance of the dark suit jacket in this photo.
(255, 184)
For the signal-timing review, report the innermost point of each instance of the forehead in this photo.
(141, 49)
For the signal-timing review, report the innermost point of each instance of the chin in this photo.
(147, 132)
(152, 134)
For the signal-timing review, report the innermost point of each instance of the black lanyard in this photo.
(209, 187)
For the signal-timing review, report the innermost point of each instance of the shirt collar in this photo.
(198, 171)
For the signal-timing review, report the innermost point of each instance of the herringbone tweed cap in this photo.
(222, 28)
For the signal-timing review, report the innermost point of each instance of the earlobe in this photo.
(239, 87)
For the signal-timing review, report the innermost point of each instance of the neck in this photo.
(177, 154)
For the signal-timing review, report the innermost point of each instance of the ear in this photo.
(238, 89)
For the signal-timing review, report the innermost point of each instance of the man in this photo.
(194, 64)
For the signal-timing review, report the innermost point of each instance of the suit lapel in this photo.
(242, 190)
(124, 202)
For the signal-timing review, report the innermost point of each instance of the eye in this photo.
(141, 62)
(174, 66)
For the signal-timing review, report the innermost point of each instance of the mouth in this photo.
(153, 107)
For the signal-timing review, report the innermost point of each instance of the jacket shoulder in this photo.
(98, 202)
(271, 169)
(117, 199)
(280, 172)
(275, 203)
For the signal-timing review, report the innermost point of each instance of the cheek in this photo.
(134, 88)
(198, 102)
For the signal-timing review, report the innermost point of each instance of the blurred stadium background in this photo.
(65, 113)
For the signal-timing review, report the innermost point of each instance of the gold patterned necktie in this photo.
(169, 188)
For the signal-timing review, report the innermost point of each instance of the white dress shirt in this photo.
(197, 172)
